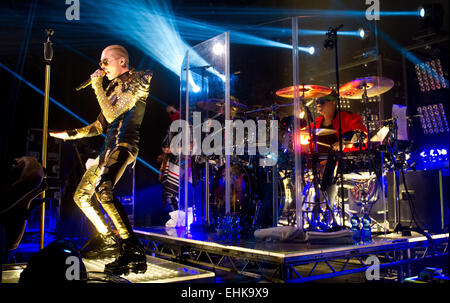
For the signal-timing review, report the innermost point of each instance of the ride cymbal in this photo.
(375, 87)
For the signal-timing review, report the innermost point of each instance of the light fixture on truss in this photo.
(433, 119)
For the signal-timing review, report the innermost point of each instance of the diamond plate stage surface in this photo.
(280, 262)
(158, 271)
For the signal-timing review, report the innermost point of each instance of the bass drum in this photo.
(240, 195)
(285, 199)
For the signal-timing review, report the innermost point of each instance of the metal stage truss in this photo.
(294, 262)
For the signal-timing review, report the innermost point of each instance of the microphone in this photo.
(86, 83)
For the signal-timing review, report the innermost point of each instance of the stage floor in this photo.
(158, 271)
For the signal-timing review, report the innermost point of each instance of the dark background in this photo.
(260, 72)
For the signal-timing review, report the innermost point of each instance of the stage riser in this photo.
(284, 267)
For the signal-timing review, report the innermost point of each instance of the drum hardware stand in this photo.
(366, 113)
(207, 201)
(370, 159)
(317, 211)
(274, 182)
(397, 167)
(314, 164)
(332, 42)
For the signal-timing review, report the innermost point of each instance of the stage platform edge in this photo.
(292, 262)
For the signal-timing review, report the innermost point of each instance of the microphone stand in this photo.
(367, 151)
(48, 56)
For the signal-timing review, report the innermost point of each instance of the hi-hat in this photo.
(308, 91)
(375, 87)
(318, 131)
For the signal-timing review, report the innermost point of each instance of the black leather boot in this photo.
(131, 259)
(102, 246)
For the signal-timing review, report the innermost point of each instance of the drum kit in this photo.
(324, 165)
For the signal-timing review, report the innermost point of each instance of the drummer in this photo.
(328, 119)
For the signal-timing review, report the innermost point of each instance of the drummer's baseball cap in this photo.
(331, 97)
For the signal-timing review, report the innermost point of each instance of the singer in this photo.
(122, 106)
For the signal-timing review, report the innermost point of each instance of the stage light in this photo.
(430, 75)
(310, 50)
(362, 33)
(218, 49)
(421, 11)
(431, 16)
(433, 119)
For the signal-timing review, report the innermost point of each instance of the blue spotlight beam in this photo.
(65, 108)
(203, 10)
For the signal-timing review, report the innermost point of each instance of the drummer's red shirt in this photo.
(349, 122)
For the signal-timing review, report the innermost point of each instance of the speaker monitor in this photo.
(428, 191)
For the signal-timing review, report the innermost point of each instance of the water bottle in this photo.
(356, 229)
(226, 225)
(366, 231)
(219, 228)
(236, 228)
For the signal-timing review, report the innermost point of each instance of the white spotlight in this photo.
(362, 33)
(421, 12)
(218, 49)
(311, 50)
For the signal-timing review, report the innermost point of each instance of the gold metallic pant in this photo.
(100, 179)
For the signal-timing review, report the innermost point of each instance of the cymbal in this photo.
(258, 111)
(217, 105)
(309, 91)
(375, 87)
(318, 131)
(283, 110)
(380, 135)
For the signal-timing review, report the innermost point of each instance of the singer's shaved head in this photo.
(118, 51)
(114, 61)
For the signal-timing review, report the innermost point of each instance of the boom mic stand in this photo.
(332, 42)
(48, 56)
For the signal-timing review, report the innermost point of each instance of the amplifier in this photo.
(428, 191)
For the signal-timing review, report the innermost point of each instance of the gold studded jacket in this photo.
(122, 110)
